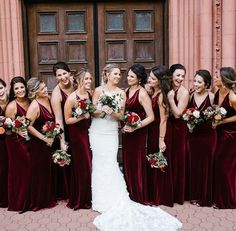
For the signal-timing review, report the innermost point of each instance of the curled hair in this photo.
(205, 74)
(162, 73)
(228, 77)
(140, 72)
(79, 75)
(14, 80)
(3, 82)
(33, 87)
(176, 66)
(60, 65)
(107, 71)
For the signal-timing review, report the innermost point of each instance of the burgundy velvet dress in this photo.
(160, 185)
(81, 165)
(18, 170)
(225, 160)
(63, 173)
(3, 168)
(201, 147)
(178, 156)
(42, 186)
(134, 154)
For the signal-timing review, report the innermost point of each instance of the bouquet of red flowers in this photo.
(157, 160)
(83, 106)
(193, 118)
(215, 114)
(131, 119)
(61, 157)
(5, 125)
(20, 124)
(51, 129)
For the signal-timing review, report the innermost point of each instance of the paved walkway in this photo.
(61, 218)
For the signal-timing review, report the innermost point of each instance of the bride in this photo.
(109, 193)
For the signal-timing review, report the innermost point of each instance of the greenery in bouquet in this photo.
(5, 125)
(51, 129)
(21, 123)
(215, 114)
(157, 160)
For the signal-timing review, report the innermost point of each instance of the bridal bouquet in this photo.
(83, 106)
(131, 119)
(20, 124)
(157, 160)
(5, 125)
(61, 158)
(215, 114)
(193, 118)
(51, 129)
(113, 101)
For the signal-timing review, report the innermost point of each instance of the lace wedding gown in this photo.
(109, 193)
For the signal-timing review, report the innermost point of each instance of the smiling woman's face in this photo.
(178, 77)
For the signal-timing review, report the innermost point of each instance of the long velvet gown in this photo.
(18, 170)
(178, 156)
(63, 174)
(160, 184)
(225, 160)
(3, 168)
(201, 147)
(134, 154)
(81, 165)
(42, 186)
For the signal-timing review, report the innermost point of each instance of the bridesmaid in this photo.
(201, 144)
(3, 149)
(42, 167)
(18, 155)
(225, 155)
(80, 184)
(59, 95)
(134, 139)
(160, 186)
(178, 98)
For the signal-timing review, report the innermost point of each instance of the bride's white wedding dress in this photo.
(109, 193)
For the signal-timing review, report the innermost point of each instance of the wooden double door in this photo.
(87, 34)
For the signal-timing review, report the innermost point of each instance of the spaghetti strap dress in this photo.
(225, 160)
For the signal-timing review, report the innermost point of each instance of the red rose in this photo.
(17, 124)
(82, 104)
(129, 119)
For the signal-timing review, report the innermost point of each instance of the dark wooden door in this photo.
(87, 34)
(130, 32)
(59, 32)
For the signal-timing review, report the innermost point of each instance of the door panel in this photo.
(60, 32)
(130, 33)
(126, 33)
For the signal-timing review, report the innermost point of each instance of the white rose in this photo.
(8, 121)
(223, 111)
(78, 111)
(196, 114)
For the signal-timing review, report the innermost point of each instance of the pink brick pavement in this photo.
(61, 218)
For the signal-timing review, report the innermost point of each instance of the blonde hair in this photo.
(107, 70)
(228, 77)
(79, 75)
(33, 87)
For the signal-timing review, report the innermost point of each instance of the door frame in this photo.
(95, 29)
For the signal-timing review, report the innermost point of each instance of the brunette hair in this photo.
(60, 65)
(14, 80)
(140, 72)
(3, 82)
(205, 74)
(228, 77)
(107, 70)
(176, 66)
(162, 73)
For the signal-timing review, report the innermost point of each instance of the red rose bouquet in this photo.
(157, 160)
(83, 106)
(5, 125)
(61, 157)
(20, 124)
(193, 118)
(51, 129)
(131, 119)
